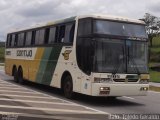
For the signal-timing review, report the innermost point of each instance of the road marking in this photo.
(10, 95)
(128, 97)
(41, 102)
(6, 85)
(17, 88)
(18, 92)
(4, 82)
(49, 109)
(86, 107)
(41, 116)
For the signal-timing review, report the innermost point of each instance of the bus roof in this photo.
(111, 17)
(97, 16)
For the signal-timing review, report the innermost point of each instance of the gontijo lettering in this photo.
(24, 53)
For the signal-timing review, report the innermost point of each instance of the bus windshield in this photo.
(109, 46)
(120, 56)
(119, 29)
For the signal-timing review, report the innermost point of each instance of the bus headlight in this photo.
(102, 80)
(104, 90)
(144, 89)
(144, 81)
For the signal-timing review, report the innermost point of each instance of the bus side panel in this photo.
(8, 66)
(34, 64)
(47, 64)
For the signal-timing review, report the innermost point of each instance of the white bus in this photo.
(94, 55)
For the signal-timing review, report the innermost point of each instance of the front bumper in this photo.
(119, 89)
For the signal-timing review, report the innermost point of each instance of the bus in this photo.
(95, 55)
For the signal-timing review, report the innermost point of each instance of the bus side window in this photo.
(24, 42)
(13, 39)
(16, 40)
(61, 34)
(46, 37)
(69, 33)
(8, 40)
(52, 35)
(28, 38)
(21, 39)
(33, 38)
(39, 38)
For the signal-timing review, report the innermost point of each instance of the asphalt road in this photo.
(37, 102)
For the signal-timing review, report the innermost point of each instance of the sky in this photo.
(18, 14)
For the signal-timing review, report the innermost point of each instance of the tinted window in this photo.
(20, 39)
(10, 40)
(46, 39)
(61, 34)
(52, 34)
(39, 38)
(16, 40)
(69, 33)
(33, 38)
(13, 40)
(83, 50)
(8, 43)
(28, 38)
(119, 28)
(84, 27)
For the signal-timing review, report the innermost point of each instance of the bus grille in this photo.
(123, 80)
(119, 80)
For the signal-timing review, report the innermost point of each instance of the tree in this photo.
(152, 26)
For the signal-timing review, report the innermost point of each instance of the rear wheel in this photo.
(20, 76)
(15, 75)
(68, 87)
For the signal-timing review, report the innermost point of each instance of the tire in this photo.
(68, 87)
(20, 76)
(15, 75)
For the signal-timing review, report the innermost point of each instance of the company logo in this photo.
(24, 53)
(66, 54)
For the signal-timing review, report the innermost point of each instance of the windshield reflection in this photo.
(119, 29)
(120, 56)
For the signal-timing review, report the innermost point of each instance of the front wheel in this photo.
(68, 87)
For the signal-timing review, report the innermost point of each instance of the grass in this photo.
(155, 49)
(154, 76)
(155, 59)
(156, 42)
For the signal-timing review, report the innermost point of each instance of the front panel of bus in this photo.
(115, 55)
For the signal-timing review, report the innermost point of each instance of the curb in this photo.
(154, 88)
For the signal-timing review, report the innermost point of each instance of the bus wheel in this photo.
(68, 87)
(20, 76)
(15, 75)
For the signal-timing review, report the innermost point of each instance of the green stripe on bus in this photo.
(48, 64)
(43, 64)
